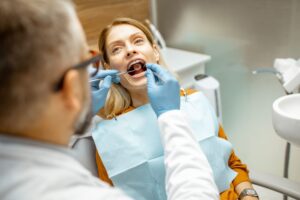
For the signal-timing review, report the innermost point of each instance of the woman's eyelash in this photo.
(139, 40)
(115, 49)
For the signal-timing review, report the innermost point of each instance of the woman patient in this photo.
(130, 155)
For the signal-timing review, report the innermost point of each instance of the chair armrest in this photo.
(84, 150)
(276, 183)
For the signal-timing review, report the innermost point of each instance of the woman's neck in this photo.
(139, 97)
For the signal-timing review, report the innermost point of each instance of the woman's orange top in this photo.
(234, 163)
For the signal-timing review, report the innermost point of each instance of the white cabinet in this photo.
(185, 64)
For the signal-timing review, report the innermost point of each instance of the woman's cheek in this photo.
(114, 65)
(118, 65)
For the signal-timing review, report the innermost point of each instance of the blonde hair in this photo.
(119, 99)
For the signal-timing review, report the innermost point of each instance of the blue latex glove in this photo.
(100, 91)
(163, 89)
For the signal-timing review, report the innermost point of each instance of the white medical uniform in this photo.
(31, 170)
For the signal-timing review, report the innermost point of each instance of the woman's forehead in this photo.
(122, 32)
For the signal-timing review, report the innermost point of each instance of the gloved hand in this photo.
(100, 90)
(164, 95)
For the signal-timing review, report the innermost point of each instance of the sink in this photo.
(286, 118)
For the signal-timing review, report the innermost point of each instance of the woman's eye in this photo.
(116, 50)
(139, 41)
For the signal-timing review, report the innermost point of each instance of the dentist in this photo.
(45, 99)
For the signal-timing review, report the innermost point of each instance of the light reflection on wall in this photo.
(241, 35)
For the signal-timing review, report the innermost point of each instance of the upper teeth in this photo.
(134, 62)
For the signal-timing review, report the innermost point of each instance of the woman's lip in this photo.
(142, 74)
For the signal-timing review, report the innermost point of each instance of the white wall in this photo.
(241, 35)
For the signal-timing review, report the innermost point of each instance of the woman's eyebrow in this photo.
(113, 43)
(138, 35)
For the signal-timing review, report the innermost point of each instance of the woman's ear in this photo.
(156, 53)
(106, 66)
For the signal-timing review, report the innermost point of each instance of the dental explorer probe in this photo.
(118, 74)
(126, 72)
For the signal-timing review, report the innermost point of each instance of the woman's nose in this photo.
(130, 50)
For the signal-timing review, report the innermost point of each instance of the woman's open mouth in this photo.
(136, 67)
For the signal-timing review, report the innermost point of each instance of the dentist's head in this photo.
(42, 96)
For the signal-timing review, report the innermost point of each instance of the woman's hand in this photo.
(242, 186)
(249, 198)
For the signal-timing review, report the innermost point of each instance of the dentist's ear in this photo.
(71, 90)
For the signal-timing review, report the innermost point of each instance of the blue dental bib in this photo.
(132, 153)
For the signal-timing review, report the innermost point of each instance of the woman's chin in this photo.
(138, 81)
(139, 84)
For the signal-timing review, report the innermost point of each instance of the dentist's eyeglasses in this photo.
(92, 65)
